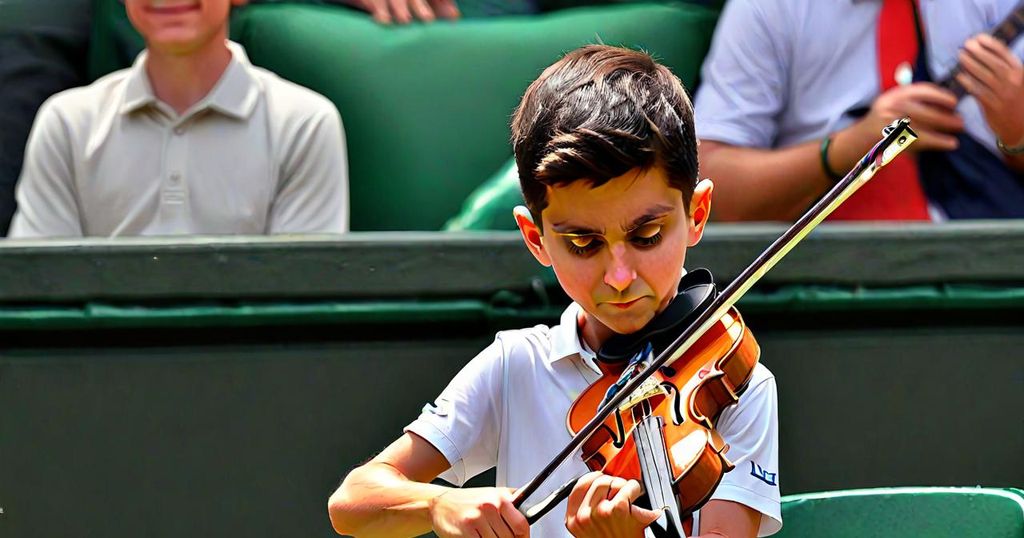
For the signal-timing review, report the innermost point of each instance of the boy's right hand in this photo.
(484, 512)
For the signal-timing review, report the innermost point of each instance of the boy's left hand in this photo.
(602, 506)
(995, 77)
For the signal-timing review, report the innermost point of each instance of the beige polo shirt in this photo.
(258, 155)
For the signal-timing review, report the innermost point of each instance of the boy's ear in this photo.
(700, 209)
(531, 234)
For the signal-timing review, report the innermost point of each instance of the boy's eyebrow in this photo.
(658, 211)
(653, 213)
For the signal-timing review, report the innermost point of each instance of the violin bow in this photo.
(896, 137)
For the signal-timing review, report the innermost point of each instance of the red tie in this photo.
(895, 192)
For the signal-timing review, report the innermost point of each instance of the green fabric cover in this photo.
(905, 513)
(426, 106)
(489, 207)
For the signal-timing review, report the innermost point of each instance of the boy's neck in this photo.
(593, 335)
(182, 80)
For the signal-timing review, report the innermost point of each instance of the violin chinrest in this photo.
(696, 292)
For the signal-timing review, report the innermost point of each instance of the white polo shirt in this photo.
(257, 155)
(507, 409)
(782, 72)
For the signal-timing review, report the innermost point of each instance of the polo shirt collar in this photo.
(138, 92)
(234, 95)
(565, 338)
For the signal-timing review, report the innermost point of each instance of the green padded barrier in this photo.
(905, 513)
(489, 206)
(505, 309)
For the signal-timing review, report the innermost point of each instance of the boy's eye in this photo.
(648, 235)
(582, 244)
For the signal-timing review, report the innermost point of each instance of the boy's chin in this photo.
(627, 324)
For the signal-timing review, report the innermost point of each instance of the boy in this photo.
(607, 157)
(192, 139)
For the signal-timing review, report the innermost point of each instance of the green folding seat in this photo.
(929, 512)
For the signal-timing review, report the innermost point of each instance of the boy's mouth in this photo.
(627, 304)
(172, 8)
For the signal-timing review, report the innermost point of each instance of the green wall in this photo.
(224, 386)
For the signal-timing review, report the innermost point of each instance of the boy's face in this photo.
(618, 249)
(180, 26)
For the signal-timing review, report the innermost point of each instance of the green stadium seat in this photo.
(931, 512)
(426, 106)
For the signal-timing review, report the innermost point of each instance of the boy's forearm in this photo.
(377, 500)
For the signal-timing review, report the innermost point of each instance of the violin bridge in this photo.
(648, 389)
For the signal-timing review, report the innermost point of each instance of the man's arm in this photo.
(312, 195)
(47, 203)
(779, 184)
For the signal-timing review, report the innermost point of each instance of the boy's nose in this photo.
(620, 273)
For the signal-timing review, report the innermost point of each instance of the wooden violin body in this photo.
(685, 398)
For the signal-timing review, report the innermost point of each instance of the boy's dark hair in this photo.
(597, 113)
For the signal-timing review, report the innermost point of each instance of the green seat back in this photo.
(905, 513)
(426, 107)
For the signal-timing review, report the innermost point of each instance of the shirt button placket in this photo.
(175, 194)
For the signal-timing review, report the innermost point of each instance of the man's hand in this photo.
(930, 108)
(995, 77)
(483, 512)
(602, 505)
(403, 11)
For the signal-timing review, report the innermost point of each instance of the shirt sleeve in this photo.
(463, 423)
(47, 202)
(312, 195)
(743, 80)
(751, 430)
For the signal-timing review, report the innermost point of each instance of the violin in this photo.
(664, 435)
(651, 415)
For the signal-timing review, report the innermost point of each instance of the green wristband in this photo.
(825, 143)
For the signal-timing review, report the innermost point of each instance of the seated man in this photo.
(796, 90)
(192, 139)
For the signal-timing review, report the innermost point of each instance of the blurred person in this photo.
(192, 139)
(43, 46)
(794, 91)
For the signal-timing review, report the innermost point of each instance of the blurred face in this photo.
(618, 249)
(180, 26)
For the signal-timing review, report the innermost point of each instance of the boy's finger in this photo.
(598, 491)
(579, 491)
(515, 520)
(644, 516)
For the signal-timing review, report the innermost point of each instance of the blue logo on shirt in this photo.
(759, 473)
